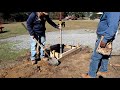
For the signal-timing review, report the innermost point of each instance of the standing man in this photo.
(36, 27)
(107, 27)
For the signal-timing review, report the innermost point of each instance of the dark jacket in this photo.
(108, 25)
(37, 27)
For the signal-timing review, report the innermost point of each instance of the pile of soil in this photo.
(71, 66)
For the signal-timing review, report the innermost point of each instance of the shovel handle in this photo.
(42, 47)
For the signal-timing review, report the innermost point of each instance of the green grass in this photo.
(7, 54)
(75, 24)
(16, 29)
(12, 30)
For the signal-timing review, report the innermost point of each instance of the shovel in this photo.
(51, 60)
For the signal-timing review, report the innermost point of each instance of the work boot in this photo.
(103, 74)
(33, 62)
(85, 75)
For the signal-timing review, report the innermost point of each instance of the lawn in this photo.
(15, 29)
(8, 54)
(76, 24)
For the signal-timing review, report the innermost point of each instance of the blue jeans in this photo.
(33, 44)
(96, 60)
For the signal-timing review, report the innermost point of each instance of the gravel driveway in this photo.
(70, 37)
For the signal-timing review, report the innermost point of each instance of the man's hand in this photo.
(33, 36)
(102, 44)
(58, 27)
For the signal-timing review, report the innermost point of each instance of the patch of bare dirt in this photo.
(71, 66)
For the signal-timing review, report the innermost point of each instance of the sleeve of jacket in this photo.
(30, 24)
(51, 22)
(112, 22)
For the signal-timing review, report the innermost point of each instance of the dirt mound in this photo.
(71, 67)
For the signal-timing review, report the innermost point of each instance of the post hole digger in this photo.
(51, 60)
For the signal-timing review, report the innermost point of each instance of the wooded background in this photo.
(7, 17)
